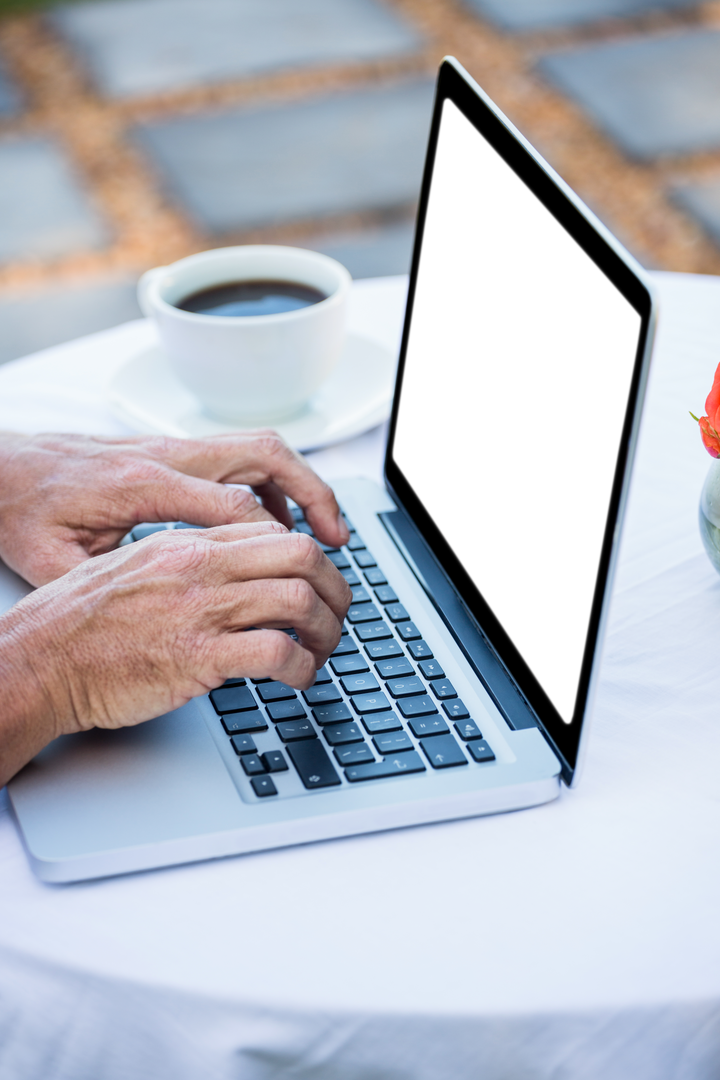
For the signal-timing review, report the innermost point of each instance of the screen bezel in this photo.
(569, 212)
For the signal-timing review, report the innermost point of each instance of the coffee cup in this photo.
(250, 368)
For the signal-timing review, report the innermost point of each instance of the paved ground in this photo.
(136, 131)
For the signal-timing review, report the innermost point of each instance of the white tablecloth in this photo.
(579, 940)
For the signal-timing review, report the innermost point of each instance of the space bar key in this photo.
(392, 766)
(312, 762)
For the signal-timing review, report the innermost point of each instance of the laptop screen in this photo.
(517, 370)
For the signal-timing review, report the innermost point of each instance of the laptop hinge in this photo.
(459, 621)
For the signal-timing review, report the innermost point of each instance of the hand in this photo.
(139, 631)
(65, 498)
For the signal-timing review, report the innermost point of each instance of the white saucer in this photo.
(146, 394)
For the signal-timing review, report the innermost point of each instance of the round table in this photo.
(577, 940)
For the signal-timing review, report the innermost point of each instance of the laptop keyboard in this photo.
(381, 707)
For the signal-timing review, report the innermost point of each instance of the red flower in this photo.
(710, 424)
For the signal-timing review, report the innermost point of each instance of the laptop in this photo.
(464, 680)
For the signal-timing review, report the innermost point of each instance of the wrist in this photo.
(32, 712)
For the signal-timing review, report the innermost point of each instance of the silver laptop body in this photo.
(463, 685)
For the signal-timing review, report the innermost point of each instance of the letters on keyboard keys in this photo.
(349, 665)
(480, 751)
(322, 676)
(359, 684)
(397, 613)
(386, 594)
(408, 631)
(382, 722)
(339, 559)
(364, 559)
(353, 755)
(275, 691)
(383, 650)
(286, 710)
(419, 650)
(351, 577)
(373, 631)
(456, 709)
(360, 595)
(322, 695)
(239, 723)
(362, 613)
(394, 668)
(375, 576)
(430, 669)
(336, 734)
(398, 765)
(422, 726)
(393, 742)
(400, 688)
(332, 714)
(468, 729)
(294, 730)
(443, 688)
(370, 703)
(346, 646)
(443, 752)
(313, 764)
(416, 706)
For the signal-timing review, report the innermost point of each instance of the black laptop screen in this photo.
(518, 367)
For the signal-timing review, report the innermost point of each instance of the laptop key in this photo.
(391, 669)
(419, 650)
(336, 734)
(386, 594)
(243, 744)
(362, 613)
(332, 714)
(397, 613)
(373, 631)
(351, 578)
(393, 742)
(370, 703)
(385, 722)
(339, 559)
(443, 752)
(456, 709)
(355, 543)
(480, 751)
(364, 559)
(468, 729)
(394, 766)
(322, 695)
(286, 710)
(408, 631)
(375, 576)
(274, 761)
(423, 726)
(241, 723)
(349, 665)
(443, 689)
(353, 755)
(313, 764)
(252, 764)
(293, 730)
(346, 646)
(360, 595)
(359, 684)
(322, 676)
(383, 650)
(263, 785)
(233, 699)
(401, 688)
(234, 682)
(431, 669)
(275, 691)
(416, 706)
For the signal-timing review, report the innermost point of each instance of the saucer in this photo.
(146, 394)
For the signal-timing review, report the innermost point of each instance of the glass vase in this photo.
(709, 514)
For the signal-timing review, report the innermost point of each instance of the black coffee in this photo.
(252, 298)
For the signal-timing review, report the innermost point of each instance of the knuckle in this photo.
(305, 551)
(241, 502)
(270, 444)
(301, 596)
(170, 554)
(278, 650)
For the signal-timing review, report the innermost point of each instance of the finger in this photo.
(173, 496)
(274, 502)
(257, 459)
(278, 555)
(264, 654)
(274, 604)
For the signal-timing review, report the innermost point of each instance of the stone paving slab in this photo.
(654, 96)
(148, 46)
(702, 202)
(44, 211)
(527, 15)
(241, 169)
(10, 98)
(370, 252)
(32, 321)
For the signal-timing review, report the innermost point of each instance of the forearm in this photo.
(28, 718)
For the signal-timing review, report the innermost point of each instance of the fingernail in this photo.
(343, 529)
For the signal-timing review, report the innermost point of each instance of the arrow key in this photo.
(443, 752)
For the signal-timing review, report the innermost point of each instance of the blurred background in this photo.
(133, 132)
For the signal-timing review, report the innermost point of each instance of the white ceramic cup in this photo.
(251, 369)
